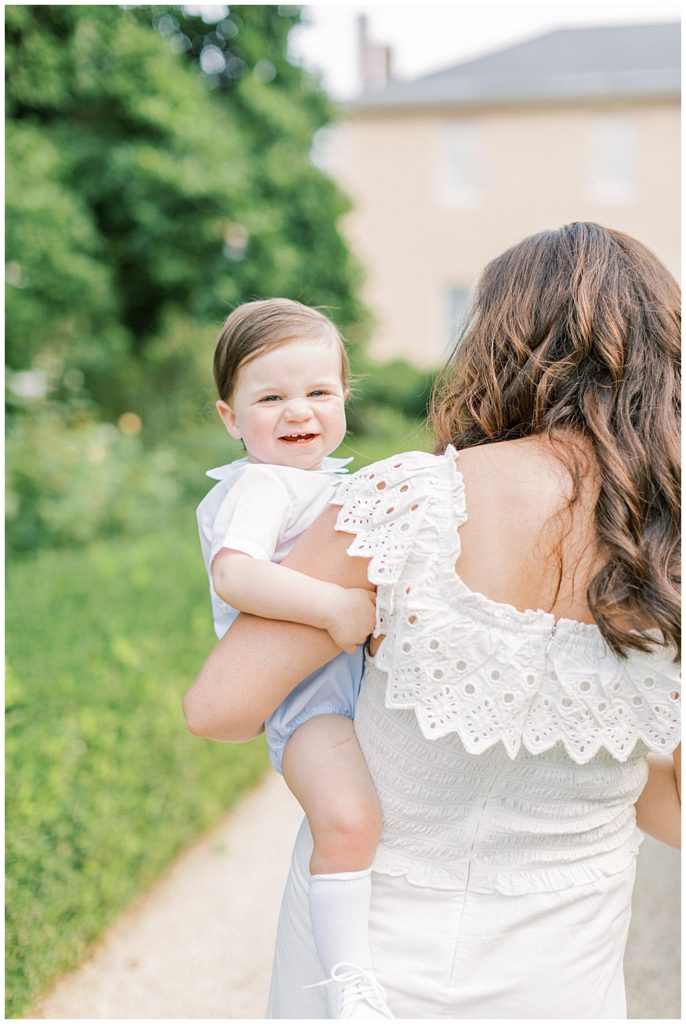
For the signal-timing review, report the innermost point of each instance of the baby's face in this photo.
(288, 404)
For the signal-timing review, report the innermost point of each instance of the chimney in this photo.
(388, 64)
(362, 43)
(375, 62)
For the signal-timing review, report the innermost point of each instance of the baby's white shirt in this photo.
(260, 509)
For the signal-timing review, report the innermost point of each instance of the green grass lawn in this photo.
(104, 783)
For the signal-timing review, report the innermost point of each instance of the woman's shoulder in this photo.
(526, 469)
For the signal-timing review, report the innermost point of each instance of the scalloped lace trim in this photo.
(484, 670)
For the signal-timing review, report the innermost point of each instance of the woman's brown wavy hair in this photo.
(577, 330)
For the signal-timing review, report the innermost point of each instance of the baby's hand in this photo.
(354, 619)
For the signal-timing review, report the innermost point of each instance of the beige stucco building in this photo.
(447, 171)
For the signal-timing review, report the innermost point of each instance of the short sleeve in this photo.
(400, 511)
(252, 515)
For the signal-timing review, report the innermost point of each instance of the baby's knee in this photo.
(356, 818)
(349, 832)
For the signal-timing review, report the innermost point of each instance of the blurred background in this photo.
(164, 164)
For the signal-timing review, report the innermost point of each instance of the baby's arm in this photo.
(273, 591)
(257, 663)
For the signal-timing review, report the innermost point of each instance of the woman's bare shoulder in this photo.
(526, 472)
(517, 494)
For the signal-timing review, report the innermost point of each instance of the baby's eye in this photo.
(270, 398)
(318, 393)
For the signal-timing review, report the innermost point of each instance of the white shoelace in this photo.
(357, 985)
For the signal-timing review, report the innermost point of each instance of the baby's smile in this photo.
(298, 438)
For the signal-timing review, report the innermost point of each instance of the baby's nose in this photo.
(298, 409)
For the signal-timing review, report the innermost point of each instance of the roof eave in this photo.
(509, 100)
(476, 92)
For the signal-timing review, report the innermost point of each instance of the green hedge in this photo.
(396, 384)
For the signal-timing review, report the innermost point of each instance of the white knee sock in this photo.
(339, 911)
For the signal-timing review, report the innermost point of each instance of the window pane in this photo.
(612, 159)
(459, 300)
(457, 164)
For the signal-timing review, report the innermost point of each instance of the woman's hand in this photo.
(658, 809)
(354, 618)
(259, 661)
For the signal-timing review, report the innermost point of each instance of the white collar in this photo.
(329, 465)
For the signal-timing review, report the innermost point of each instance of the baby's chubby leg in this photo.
(327, 773)
(326, 770)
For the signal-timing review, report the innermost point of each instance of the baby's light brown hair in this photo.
(255, 327)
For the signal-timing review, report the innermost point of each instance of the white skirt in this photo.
(442, 953)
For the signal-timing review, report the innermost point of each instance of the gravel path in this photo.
(198, 945)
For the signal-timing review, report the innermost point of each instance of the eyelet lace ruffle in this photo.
(484, 670)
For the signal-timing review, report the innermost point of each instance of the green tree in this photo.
(141, 187)
(122, 174)
(294, 245)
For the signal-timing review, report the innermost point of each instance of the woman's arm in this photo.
(658, 809)
(259, 661)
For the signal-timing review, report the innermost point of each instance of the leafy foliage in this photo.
(127, 139)
(69, 484)
(291, 231)
(397, 384)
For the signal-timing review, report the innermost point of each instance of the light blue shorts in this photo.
(331, 690)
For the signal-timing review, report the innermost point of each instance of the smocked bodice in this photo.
(525, 824)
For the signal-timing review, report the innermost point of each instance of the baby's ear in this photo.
(228, 418)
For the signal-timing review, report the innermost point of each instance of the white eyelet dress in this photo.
(508, 750)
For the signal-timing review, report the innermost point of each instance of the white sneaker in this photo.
(354, 993)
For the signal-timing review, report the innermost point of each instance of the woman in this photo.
(524, 660)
